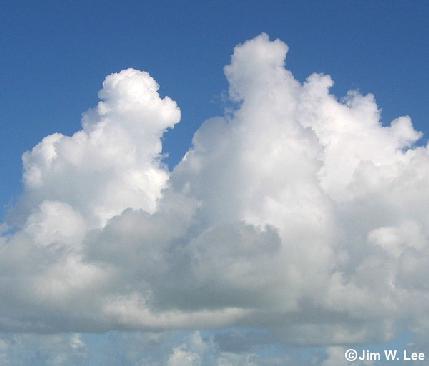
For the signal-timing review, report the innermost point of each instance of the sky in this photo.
(54, 56)
(212, 183)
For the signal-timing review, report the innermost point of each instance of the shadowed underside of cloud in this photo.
(296, 213)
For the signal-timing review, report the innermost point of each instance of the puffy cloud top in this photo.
(113, 163)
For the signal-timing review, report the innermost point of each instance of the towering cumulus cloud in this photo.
(297, 214)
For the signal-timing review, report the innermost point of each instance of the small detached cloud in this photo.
(297, 214)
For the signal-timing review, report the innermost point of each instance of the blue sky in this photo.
(286, 234)
(55, 55)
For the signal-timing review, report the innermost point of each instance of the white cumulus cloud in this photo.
(296, 213)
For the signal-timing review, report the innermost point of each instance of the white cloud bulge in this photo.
(296, 213)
